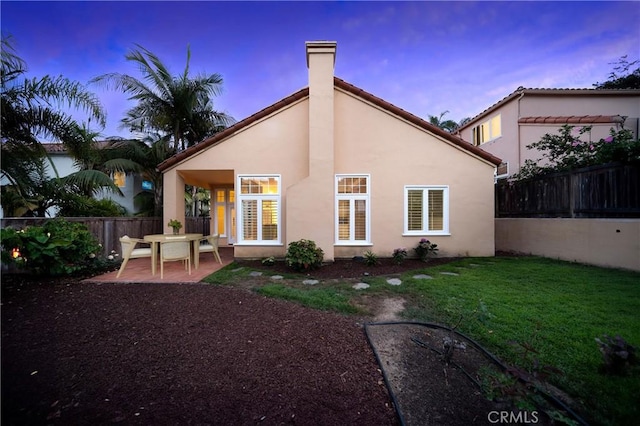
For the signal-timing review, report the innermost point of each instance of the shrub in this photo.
(399, 255)
(269, 261)
(618, 355)
(425, 249)
(58, 247)
(572, 148)
(303, 255)
(370, 258)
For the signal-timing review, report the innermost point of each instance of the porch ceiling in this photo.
(207, 178)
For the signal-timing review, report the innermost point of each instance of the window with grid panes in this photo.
(426, 210)
(259, 204)
(352, 209)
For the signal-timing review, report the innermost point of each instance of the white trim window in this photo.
(487, 131)
(352, 210)
(259, 209)
(426, 210)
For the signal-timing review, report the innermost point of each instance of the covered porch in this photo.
(222, 209)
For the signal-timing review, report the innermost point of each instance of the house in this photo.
(526, 115)
(64, 165)
(335, 164)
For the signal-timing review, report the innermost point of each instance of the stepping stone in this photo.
(474, 265)
(277, 277)
(310, 282)
(394, 281)
(238, 269)
(255, 274)
(450, 273)
(361, 286)
(423, 277)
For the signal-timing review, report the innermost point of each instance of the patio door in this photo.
(225, 213)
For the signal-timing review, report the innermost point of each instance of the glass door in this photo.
(225, 214)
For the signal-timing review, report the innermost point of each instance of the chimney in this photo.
(321, 56)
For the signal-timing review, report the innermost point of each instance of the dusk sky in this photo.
(424, 57)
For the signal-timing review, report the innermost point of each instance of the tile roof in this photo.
(347, 87)
(522, 91)
(59, 148)
(573, 119)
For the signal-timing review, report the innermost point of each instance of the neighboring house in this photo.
(334, 164)
(526, 115)
(64, 165)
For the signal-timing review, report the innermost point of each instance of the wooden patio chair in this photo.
(175, 250)
(211, 245)
(129, 251)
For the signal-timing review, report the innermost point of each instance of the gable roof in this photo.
(521, 91)
(303, 93)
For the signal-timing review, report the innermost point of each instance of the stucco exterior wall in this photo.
(275, 145)
(395, 153)
(604, 242)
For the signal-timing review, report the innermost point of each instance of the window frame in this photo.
(424, 231)
(477, 135)
(352, 198)
(119, 176)
(240, 197)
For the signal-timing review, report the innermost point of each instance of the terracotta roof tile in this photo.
(59, 148)
(522, 91)
(572, 119)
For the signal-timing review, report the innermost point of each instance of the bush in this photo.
(370, 258)
(303, 255)
(58, 247)
(399, 255)
(425, 249)
(572, 149)
(269, 261)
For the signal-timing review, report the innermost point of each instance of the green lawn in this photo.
(556, 307)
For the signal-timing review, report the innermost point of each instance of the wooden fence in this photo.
(611, 190)
(108, 230)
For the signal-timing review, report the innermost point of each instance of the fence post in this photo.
(572, 202)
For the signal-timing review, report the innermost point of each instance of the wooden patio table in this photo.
(156, 239)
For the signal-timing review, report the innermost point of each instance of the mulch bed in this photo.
(80, 353)
(354, 268)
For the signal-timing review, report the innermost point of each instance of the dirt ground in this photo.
(85, 353)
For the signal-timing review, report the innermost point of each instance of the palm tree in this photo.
(142, 156)
(446, 125)
(178, 106)
(30, 110)
(95, 162)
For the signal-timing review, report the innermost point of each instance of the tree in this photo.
(570, 150)
(143, 156)
(179, 106)
(31, 109)
(623, 76)
(446, 125)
